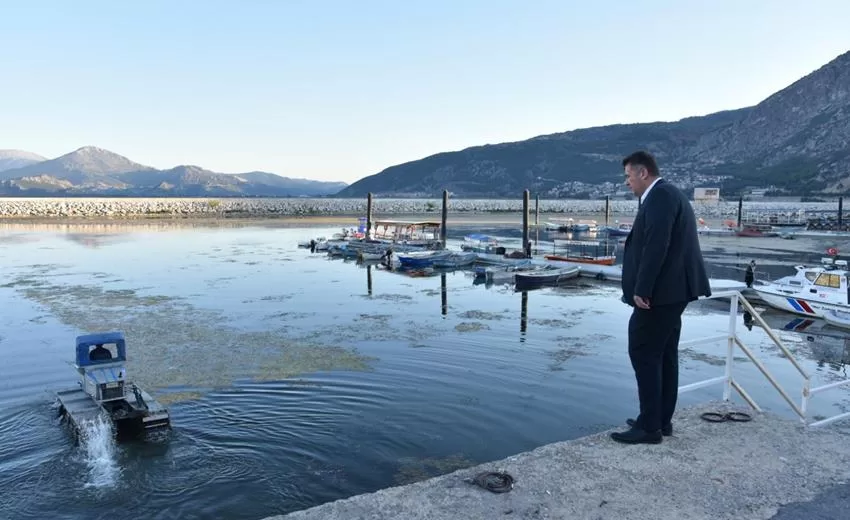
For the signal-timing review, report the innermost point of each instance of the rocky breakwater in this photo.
(304, 207)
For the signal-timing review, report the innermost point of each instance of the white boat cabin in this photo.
(811, 290)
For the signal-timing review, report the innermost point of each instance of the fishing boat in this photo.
(507, 273)
(540, 277)
(621, 230)
(478, 243)
(371, 256)
(582, 251)
(569, 225)
(583, 259)
(756, 230)
(419, 259)
(810, 291)
(455, 260)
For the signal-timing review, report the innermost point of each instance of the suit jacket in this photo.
(662, 259)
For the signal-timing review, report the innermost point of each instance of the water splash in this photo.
(98, 442)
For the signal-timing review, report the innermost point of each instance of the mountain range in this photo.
(92, 171)
(795, 141)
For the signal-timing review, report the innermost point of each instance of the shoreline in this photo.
(705, 471)
(273, 208)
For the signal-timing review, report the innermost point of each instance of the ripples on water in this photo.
(303, 380)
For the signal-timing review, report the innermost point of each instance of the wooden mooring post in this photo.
(369, 215)
(525, 197)
(840, 213)
(607, 208)
(444, 218)
(536, 222)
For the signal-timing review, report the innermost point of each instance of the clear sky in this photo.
(338, 90)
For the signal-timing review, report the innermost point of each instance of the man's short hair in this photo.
(642, 158)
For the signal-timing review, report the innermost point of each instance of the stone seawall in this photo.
(247, 207)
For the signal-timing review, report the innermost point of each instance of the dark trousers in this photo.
(654, 352)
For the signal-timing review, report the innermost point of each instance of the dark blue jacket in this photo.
(662, 259)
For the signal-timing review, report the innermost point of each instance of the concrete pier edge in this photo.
(704, 471)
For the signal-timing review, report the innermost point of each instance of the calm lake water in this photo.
(294, 379)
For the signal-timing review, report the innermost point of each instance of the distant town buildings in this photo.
(704, 195)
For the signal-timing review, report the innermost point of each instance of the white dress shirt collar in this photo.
(643, 197)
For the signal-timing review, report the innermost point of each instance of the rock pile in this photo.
(250, 207)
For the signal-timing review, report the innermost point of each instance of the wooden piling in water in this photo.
(607, 208)
(840, 212)
(523, 313)
(525, 196)
(444, 298)
(536, 222)
(369, 215)
(445, 217)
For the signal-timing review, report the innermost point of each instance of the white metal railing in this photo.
(731, 338)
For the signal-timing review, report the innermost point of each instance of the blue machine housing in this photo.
(102, 389)
(84, 344)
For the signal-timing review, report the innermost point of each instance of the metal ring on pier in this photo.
(739, 417)
(723, 417)
(495, 481)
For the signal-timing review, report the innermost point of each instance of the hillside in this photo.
(91, 171)
(797, 139)
(10, 159)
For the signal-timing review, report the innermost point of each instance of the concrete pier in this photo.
(704, 471)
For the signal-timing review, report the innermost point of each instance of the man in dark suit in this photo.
(663, 271)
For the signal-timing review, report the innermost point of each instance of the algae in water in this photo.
(171, 343)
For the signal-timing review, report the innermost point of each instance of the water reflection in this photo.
(369, 280)
(444, 301)
(523, 316)
(829, 347)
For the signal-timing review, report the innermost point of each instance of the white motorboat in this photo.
(811, 291)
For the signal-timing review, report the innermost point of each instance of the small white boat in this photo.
(507, 273)
(540, 277)
(373, 256)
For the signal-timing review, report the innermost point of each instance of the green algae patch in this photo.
(167, 398)
(471, 326)
(172, 344)
(395, 298)
(561, 356)
(415, 470)
(552, 323)
(481, 315)
(292, 361)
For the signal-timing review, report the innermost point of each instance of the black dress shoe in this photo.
(637, 436)
(665, 430)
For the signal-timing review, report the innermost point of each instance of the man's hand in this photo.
(641, 302)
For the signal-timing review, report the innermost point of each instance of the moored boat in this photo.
(455, 259)
(539, 277)
(583, 259)
(810, 291)
(418, 259)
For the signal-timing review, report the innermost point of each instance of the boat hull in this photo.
(594, 260)
(797, 305)
(542, 277)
